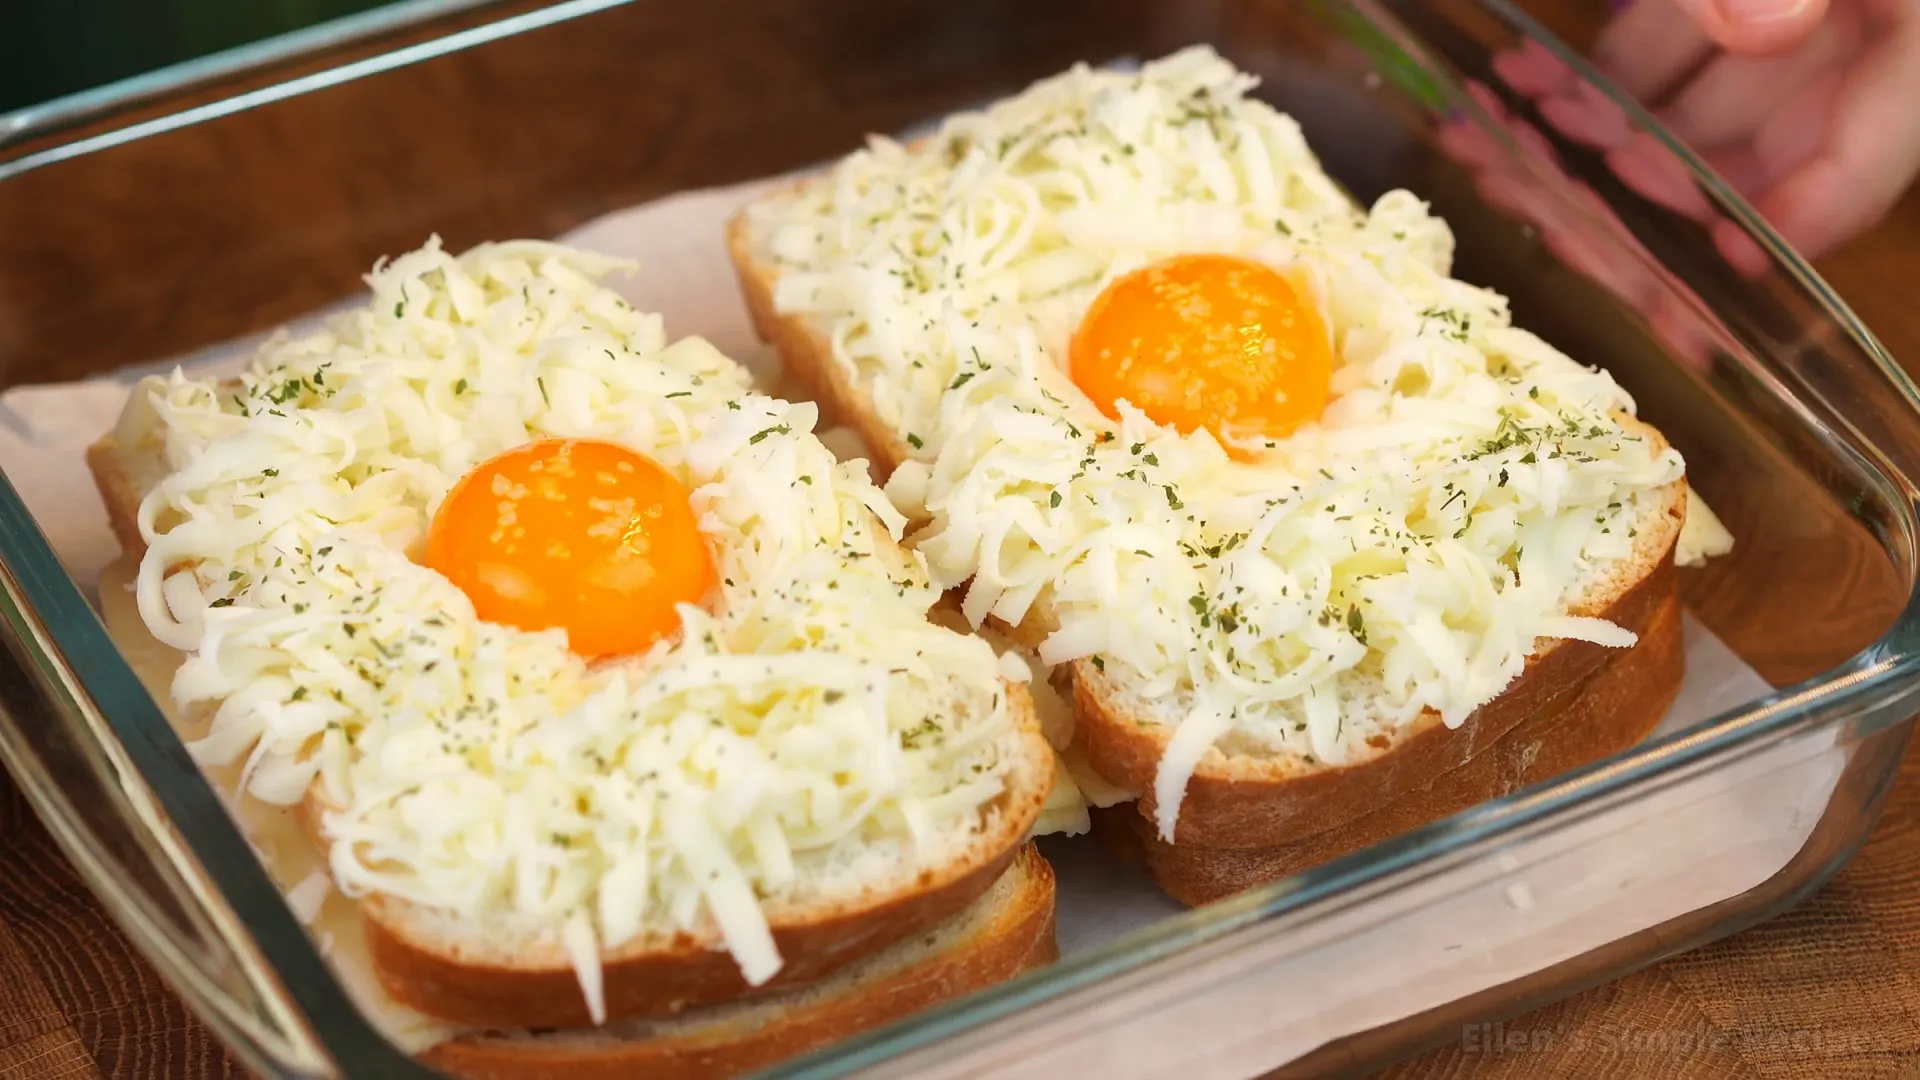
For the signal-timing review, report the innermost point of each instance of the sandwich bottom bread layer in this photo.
(1615, 707)
(1007, 931)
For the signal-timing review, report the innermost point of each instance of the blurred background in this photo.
(56, 47)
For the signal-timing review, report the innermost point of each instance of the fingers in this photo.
(1650, 46)
(1757, 27)
(1786, 143)
(1736, 95)
(1804, 109)
(1797, 131)
(1648, 167)
(1655, 43)
(1740, 167)
(1869, 153)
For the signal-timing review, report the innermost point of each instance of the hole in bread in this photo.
(1378, 741)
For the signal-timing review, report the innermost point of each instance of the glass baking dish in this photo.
(224, 208)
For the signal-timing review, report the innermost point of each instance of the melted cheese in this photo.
(1702, 535)
(809, 733)
(1406, 552)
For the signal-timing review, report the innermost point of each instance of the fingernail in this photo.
(1762, 11)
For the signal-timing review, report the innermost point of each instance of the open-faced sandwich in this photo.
(585, 706)
(1326, 545)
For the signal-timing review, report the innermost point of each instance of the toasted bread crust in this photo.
(1019, 939)
(478, 987)
(1616, 706)
(119, 491)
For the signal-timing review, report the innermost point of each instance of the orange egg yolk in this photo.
(1205, 341)
(579, 534)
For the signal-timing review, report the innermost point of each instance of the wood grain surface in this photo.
(1830, 989)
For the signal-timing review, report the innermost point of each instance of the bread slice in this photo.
(1618, 705)
(441, 967)
(1007, 931)
(1249, 800)
(1246, 800)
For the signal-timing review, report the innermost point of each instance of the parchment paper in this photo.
(1639, 866)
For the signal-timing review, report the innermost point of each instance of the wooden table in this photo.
(1843, 969)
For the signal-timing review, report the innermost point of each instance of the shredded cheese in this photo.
(1702, 535)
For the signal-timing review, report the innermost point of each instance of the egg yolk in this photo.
(1205, 341)
(579, 534)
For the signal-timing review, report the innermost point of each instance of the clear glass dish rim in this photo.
(1879, 674)
(96, 102)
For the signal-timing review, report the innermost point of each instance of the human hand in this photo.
(1807, 107)
(1572, 220)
